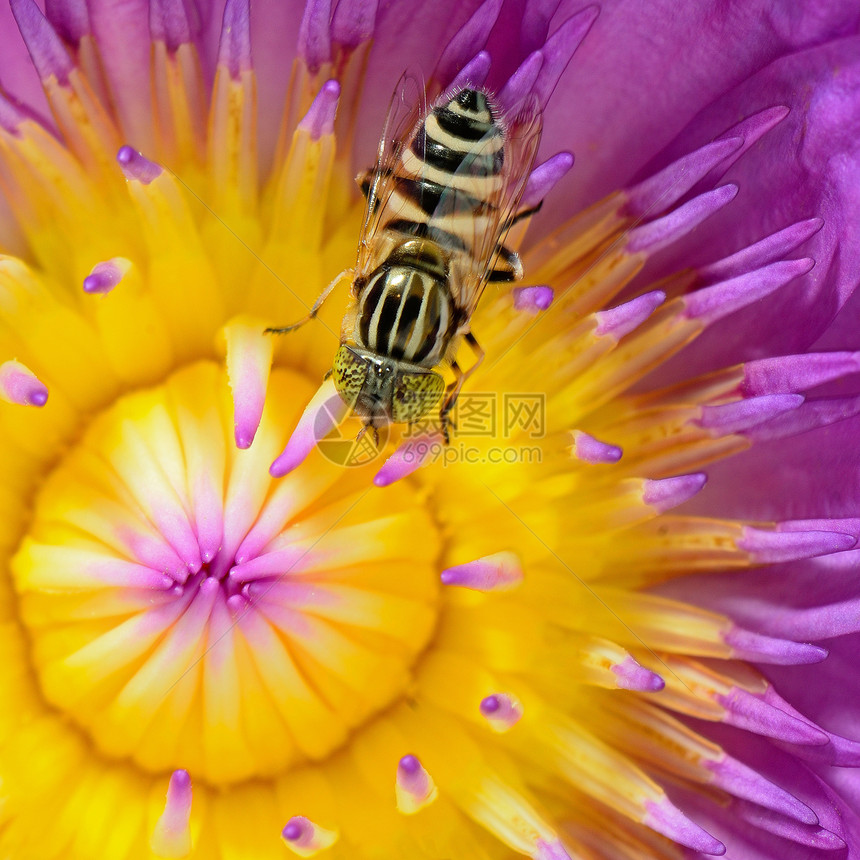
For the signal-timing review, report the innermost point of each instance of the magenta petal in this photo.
(639, 78)
(806, 167)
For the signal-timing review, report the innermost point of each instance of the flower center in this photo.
(189, 611)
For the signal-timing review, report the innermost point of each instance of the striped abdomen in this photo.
(448, 172)
(405, 313)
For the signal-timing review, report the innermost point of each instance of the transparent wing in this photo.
(408, 105)
(522, 137)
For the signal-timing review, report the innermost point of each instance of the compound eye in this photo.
(349, 371)
(415, 394)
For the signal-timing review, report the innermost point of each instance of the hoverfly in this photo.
(440, 200)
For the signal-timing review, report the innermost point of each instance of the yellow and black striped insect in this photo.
(442, 196)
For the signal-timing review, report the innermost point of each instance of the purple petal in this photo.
(807, 167)
(639, 78)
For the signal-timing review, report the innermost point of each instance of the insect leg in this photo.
(506, 266)
(453, 390)
(368, 426)
(522, 215)
(313, 311)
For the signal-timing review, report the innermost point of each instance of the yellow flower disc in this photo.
(189, 611)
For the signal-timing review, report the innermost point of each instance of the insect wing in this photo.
(522, 137)
(408, 105)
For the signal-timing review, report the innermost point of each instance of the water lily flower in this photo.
(548, 639)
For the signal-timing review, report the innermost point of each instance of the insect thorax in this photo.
(405, 310)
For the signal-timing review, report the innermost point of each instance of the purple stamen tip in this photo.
(490, 705)
(70, 19)
(772, 547)
(47, 51)
(667, 493)
(409, 764)
(473, 34)
(670, 821)
(748, 645)
(740, 415)
(293, 830)
(319, 120)
(663, 189)
(180, 780)
(234, 49)
(742, 781)
(774, 247)
(631, 675)
(593, 451)
(521, 82)
(792, 373)
(656, 235)
(168, 23)
(354, 22)
(545, 177)
(474, 73)
(136, 167)
(712, 303)
(623, 319)
(502, 711)
(244, 439)
(498, 572)
(533, 298)
(21, 386)
(105, 276)
(314, 45)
